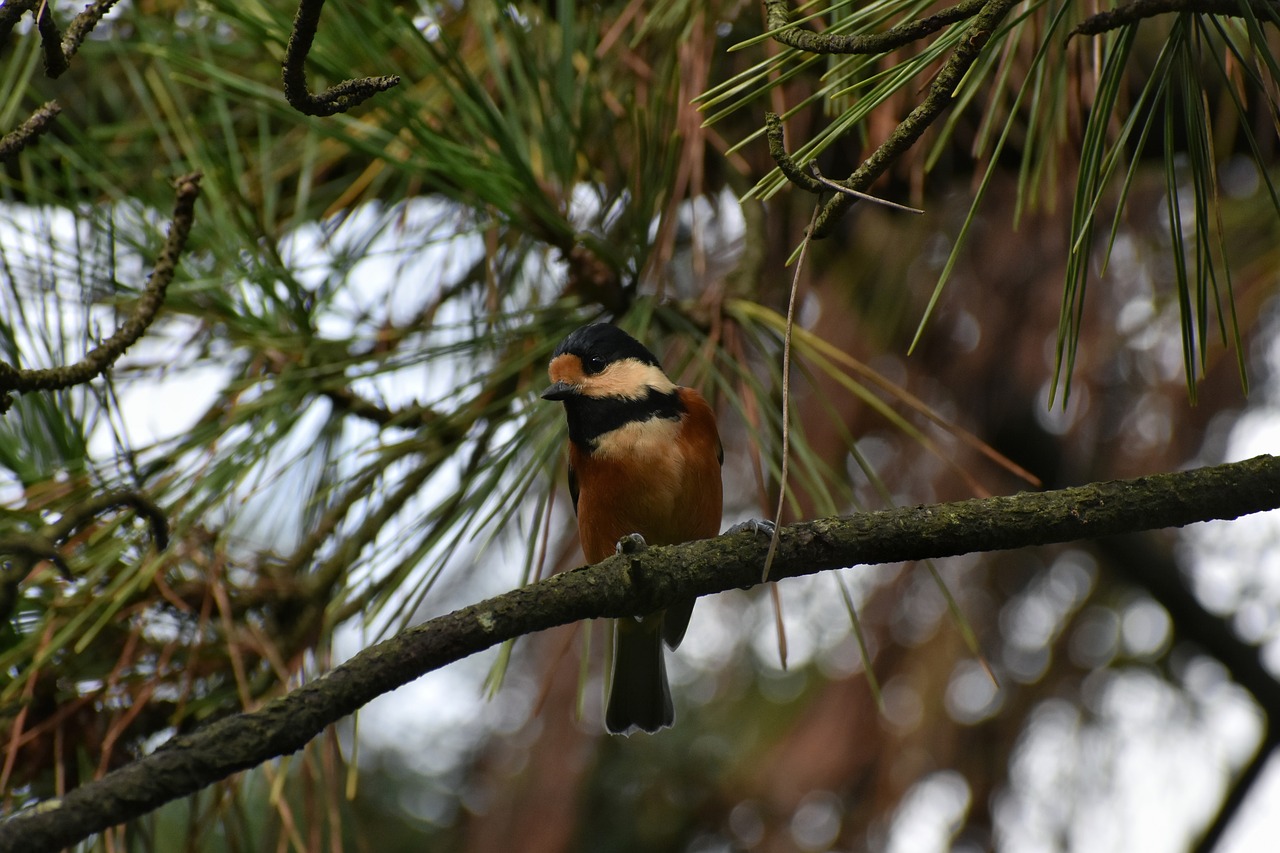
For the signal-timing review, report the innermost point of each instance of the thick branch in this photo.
(630, 585)
(905, 135)
(97, 360)
(335, 99)
(777, 18)
(1113, 19)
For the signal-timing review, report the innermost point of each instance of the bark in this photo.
(629, 585)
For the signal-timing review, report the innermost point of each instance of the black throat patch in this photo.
(591, 417)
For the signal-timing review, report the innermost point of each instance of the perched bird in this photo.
(644, 468)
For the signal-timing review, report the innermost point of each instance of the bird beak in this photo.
(560, 390)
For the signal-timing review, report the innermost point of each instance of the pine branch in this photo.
(629, 585)
(29, 131)
(336, 99)
(58, 48)
(910, 129)
(101, 357)
(777, 18)
(1114, 19)
(30, 548)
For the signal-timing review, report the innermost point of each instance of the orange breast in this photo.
(658, 478)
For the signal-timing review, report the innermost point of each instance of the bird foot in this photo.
(632, 543)
(755, 525)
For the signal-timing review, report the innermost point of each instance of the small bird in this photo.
(644, 468)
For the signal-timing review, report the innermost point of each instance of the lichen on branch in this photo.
(633, 584)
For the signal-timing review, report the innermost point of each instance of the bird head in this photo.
(601, 361)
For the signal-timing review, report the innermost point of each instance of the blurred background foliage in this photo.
(337, 410)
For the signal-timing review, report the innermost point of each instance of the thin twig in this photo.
(336, 99)
(100, 358)
(778, 18)
(58, 48)
(81, 25)
(11, 11)
(75, 517)
(910, 129)
(790, 169)
(1113, 19)
(24, 134)
(31, 549)
(55, 61)
(1240, 789)
(414, 416)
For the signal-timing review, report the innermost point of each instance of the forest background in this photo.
(271, 350)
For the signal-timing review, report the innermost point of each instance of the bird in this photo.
(644, 469)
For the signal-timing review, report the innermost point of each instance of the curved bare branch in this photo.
(101, 357)
(335, 99)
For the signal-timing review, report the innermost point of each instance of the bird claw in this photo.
(755, 525)
(632, 543)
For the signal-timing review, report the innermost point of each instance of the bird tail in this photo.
(639, 696)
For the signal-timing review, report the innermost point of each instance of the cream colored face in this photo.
(625, 379)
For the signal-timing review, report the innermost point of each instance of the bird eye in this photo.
(594, 363)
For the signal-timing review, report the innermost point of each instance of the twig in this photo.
(1239, 790)
(11, 11)
(24, 134)
(100, 358)
(414, 416)
(777, 19)
(81, 25)
(911, 128)
(188, 763)
(30, 548)
(55, 61)
(1113, 19)
(58, 48)
(84, 512)
(809, 177)
(779, 625)
(791, 170)
(336, 99)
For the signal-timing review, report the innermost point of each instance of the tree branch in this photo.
(629, 585)
(414, 416)
(1239, 790)
(24, 134)
(86, 511)
(778, 17)
(911, 128)
(30, 548)
(11, 11)
(100, 358)
(335, 99)
(1113, 19)
(58, 48)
